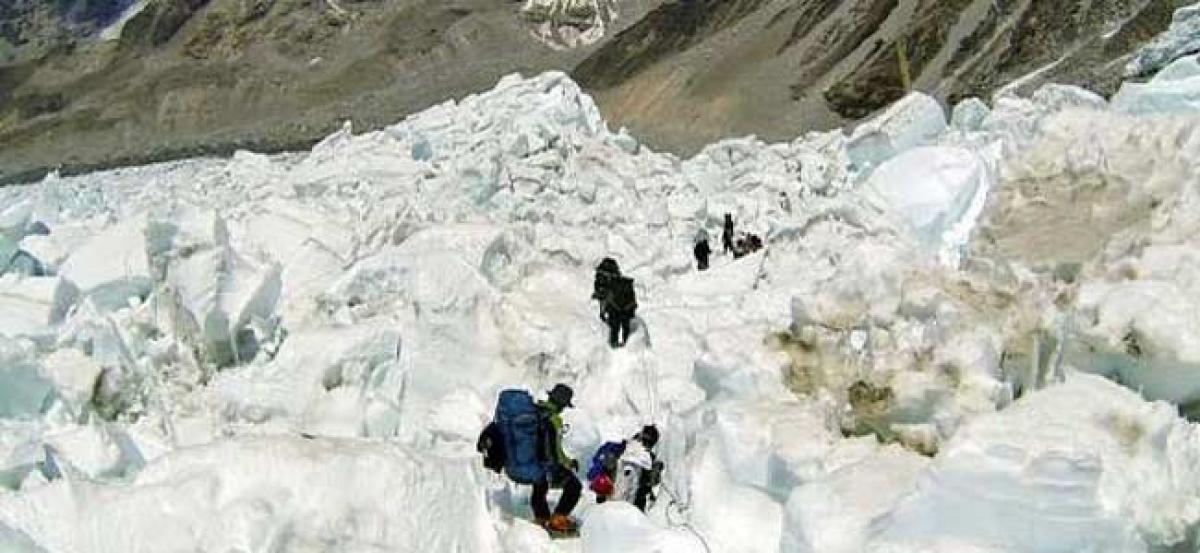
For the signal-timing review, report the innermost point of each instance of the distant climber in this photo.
(727, 235)
(524, 441)
(785, 203)
(627, 470)
(702, 250)
(620, 306)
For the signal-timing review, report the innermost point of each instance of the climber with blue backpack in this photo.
(524, 441)
(627, 470)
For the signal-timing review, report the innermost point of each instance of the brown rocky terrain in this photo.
(194, 77)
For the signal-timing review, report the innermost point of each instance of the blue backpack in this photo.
(605, 459)
(522, 427)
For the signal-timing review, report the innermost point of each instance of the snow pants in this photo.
(618, 327)
(571, 489)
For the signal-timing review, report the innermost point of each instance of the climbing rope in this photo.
(682, 507)
(651, 386)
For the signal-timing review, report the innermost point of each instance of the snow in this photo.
(1176, 89)
(929, 187)
(969, 115)
(1080, 476)
(29, 306)
(350, 496)
(1182, 37)
(113, 30)
(296, 352)
(112, 267)
(618, 527)
(566, 24)
(835, 513)
(913, 120)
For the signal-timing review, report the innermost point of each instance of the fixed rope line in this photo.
(686, 525)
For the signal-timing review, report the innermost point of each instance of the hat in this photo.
(561, 395)
(648, 436)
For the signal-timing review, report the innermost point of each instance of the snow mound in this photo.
(1095, 468)
(619, 527)
(1176, 89)
(112, 267)
(834, 514)
(351, 496)
(930, 188)
(913, 120)
(335, 382)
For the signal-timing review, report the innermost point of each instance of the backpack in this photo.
(605, 460)
(621, 295)
(522, 427)
(605, 273)
(491, 446)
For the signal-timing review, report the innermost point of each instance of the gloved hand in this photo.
(573, 465)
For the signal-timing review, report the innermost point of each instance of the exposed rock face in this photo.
(691, 72)
(188, 77)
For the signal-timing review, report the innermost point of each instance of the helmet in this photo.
(602, 484)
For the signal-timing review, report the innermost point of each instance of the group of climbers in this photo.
(524, 439)
(738, 244)
(524, 442)
(615, 292)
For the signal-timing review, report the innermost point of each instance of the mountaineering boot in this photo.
(560, 523)
(542, 521)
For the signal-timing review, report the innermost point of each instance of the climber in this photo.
(727, 235)
(627, 470)
(701, 250)
(524, 441)
(620, 306)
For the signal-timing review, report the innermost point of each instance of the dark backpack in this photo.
(522, 427)
(606, 271)
(621, 295)
(605, 460)
(491, 445)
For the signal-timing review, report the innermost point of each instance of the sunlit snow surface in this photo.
(296, 352)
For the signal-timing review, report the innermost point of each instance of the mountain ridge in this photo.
(209, 77)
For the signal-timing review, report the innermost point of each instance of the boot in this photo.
(560, 523)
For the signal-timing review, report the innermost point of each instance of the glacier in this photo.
(296, 352)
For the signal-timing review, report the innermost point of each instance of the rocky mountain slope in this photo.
(188, 77)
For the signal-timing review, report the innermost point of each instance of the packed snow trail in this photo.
(186, 324)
